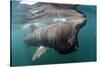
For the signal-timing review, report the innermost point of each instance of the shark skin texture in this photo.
(60, 36)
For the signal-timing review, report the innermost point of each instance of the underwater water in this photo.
(22, 55)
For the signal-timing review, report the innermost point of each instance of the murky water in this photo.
(22, 55)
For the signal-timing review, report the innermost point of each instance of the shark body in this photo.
(62, 37)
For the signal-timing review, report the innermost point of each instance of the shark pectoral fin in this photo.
(40, 51)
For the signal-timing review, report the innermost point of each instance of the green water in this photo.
(22, 55)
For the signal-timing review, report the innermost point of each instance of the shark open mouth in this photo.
(53, 26)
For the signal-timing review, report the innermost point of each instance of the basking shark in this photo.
(60, 36)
